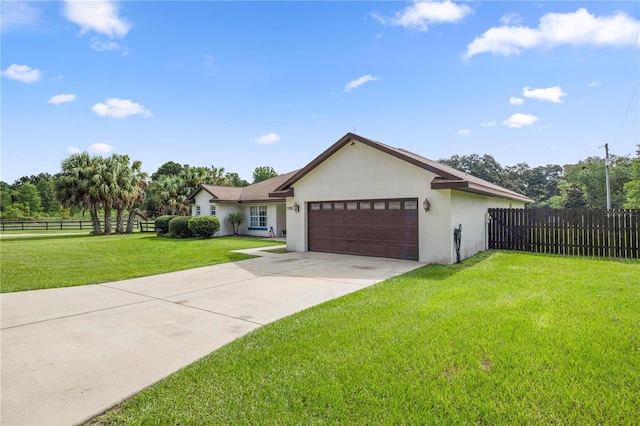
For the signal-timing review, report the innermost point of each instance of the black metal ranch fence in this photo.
(578, 232)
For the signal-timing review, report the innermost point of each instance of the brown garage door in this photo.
(384, 228)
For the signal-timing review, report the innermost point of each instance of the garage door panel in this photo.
(365, 227)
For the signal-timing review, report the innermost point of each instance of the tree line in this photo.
(103, 186)
(580, 185)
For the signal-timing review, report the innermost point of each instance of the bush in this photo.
(179, 227)
(162, 224)
(204, 226)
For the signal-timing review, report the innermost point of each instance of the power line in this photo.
(633, 95)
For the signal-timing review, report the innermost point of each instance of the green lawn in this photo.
(30, 263)
(504, 338)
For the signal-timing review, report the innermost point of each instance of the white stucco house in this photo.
(366, 198)
(264, 215)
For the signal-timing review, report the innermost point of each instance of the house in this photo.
(366, 198)
(264, 215)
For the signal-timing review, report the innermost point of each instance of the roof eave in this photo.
(281, 194)
(466, 186)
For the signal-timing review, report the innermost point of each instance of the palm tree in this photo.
(104, 187)
(123, 190)
(169, 193)
(139, 183)
(73, 186)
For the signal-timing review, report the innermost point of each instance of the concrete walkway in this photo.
(70, 353)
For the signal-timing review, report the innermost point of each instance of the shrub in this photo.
(162, 224)
(204, 226)
(179, 227)
(235, 219)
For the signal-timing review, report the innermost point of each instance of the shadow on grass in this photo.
(441, 272)
(626, 261)
(42, 237)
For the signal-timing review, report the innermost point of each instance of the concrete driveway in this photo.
(70, 353)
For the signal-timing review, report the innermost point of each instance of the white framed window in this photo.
(258, 216)
(197, 210)
(212, 209)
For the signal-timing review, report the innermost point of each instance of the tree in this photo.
(74, 185)
(263, 173)
(590, 175)
(6, 199)
(233, 179)
(47, 191)
(169, 194)
(170, 168)
(235, 219)
(139, 182)
(575, 198)
(27, 194)
(632, 188)
(485, 167)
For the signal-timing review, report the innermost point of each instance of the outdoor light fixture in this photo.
(426, 204)
(296, 207)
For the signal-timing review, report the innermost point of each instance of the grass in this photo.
(504, 338)
(37, 262)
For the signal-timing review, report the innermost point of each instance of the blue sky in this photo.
(246, 84)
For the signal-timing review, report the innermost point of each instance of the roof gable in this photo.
(447, 177)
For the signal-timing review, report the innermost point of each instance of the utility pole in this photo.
(607, 162)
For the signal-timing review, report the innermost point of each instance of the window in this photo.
(379, 205)
(365, 205)
(326, 206)
(212, 209)
(338, 206)
(410, 205)
(197, 210)
(352, 206)
(258, 217)
(395, 205)
(315, 206)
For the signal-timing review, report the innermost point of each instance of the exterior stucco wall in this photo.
(276, 217)
(470, 210)
(222, 211)
(273, 210)
(358, 171)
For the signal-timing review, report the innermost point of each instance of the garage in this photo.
(381, 227)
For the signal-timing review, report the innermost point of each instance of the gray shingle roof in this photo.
(257, 192)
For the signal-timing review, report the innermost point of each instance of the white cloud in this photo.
(594, 84)
(61, 99)
(421, 14)
(511, 19)
(516, 101)
(22, 73)
(359, 82)
(100, 148)
(556, 29)
(100, 16)
(464, 132)
(551, 94)
(16, 14)
(488, 123)
(120, 108)
(73, 150)
(520, 120)
(104, 46)
(268, 138)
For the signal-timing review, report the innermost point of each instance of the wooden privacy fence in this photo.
(579, 232)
